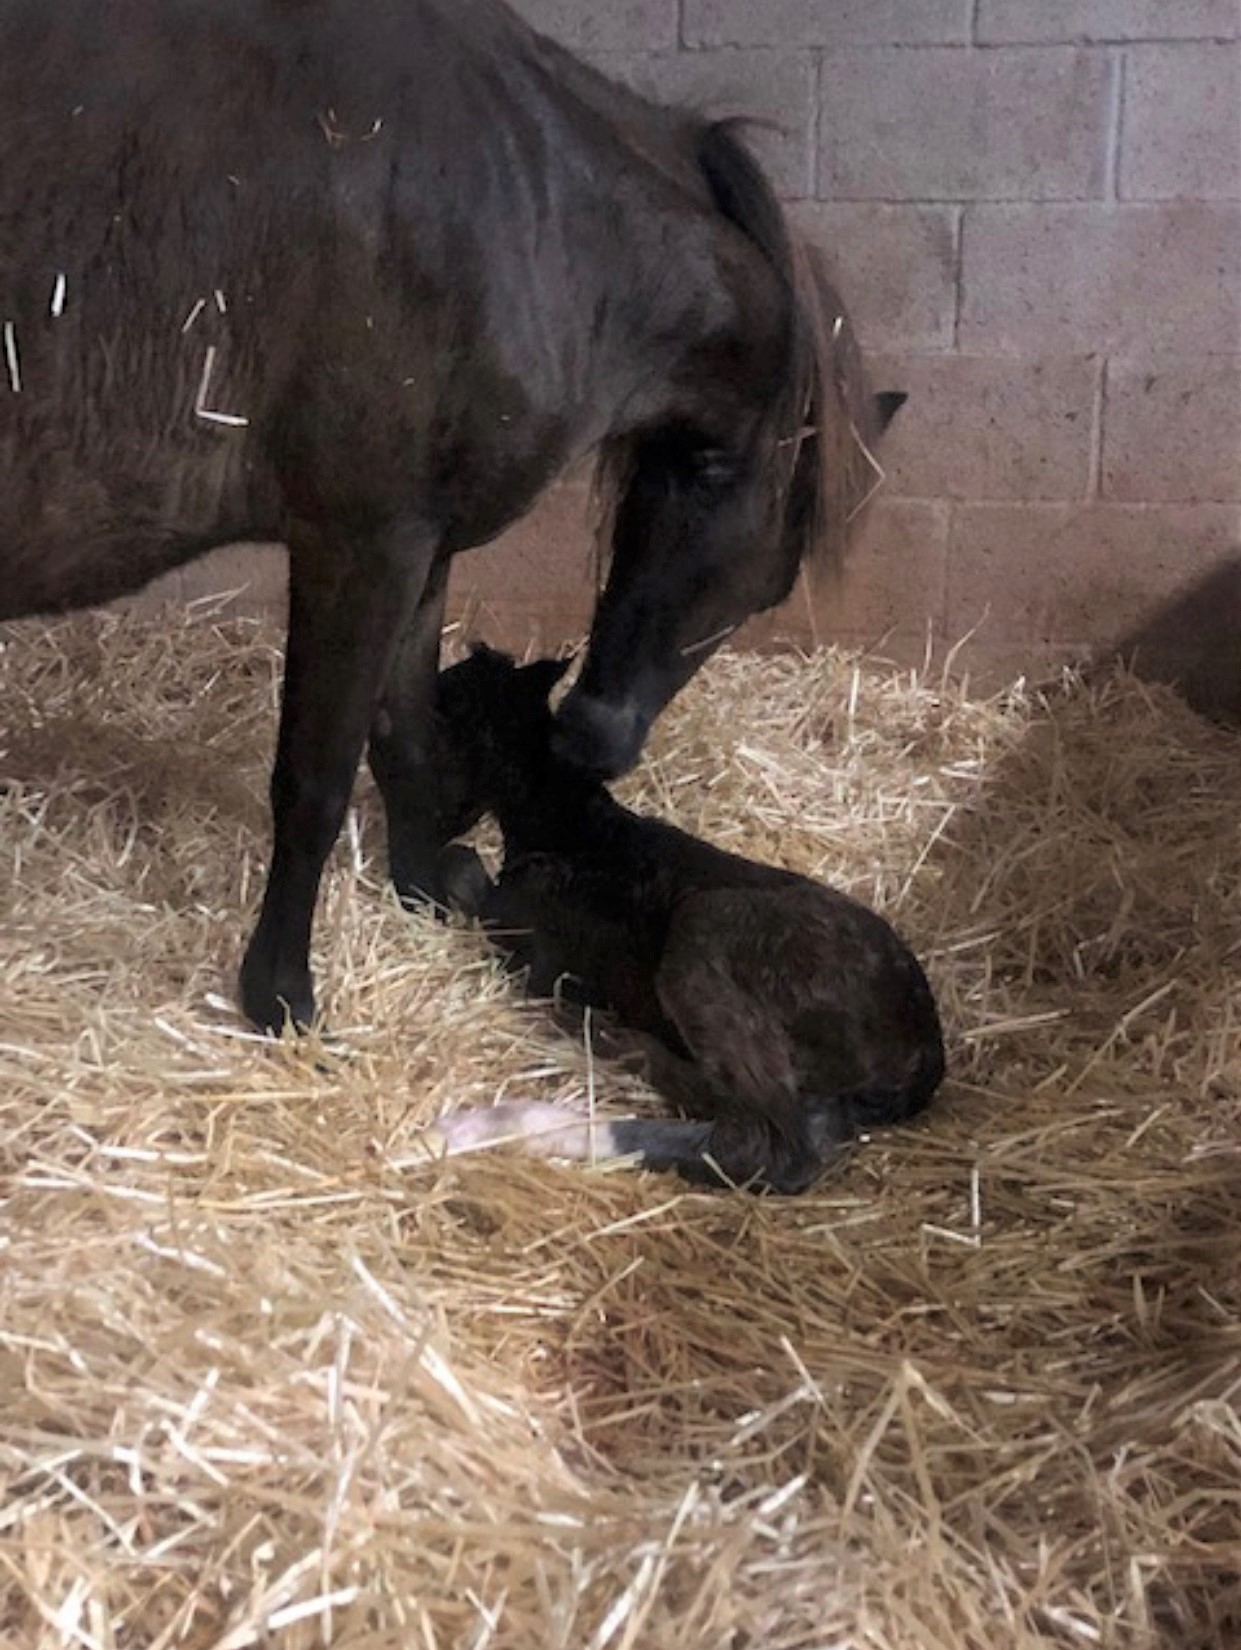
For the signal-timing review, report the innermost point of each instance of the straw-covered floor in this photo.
(267, 1378)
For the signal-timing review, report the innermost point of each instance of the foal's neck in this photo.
(550, 807)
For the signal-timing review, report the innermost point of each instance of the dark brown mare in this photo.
(364, 275)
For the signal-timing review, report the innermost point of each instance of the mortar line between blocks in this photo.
(1115, 125)
(816, 127)
(947, 522)
(1094, 481)
(958, 275)
(952, 520)
(1104, 42)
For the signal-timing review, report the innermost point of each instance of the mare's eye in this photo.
(712, 467)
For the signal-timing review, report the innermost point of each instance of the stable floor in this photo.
(270, 1377)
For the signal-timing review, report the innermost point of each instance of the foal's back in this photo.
(797, 1007)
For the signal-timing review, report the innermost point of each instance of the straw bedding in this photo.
(269, 1377)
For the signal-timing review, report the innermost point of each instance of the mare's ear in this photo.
(887, 404)
(545, 673)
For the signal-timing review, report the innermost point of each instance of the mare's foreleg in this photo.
(347, 607)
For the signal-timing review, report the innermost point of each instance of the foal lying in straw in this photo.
(781, 1012)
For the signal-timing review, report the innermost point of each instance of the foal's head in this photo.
(495, 725)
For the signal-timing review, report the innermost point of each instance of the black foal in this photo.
(785, 1014)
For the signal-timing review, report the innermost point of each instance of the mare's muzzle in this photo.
(601, 739)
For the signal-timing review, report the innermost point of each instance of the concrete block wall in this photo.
(1035, 210)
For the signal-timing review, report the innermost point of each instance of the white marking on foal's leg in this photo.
(537, 1128)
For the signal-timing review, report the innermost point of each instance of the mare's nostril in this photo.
(597, 737)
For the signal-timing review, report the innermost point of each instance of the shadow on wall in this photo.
(1194, 641)
(536, 590)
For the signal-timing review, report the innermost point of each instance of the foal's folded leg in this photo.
(464, 880)
(420, 776)
(739, 1048)
(540, 1129)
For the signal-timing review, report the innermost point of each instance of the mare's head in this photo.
(716, 511)
(494, 728)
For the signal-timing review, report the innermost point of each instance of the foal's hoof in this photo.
(464, 879)
(750, 1157)
(425, 894)
(415, 867)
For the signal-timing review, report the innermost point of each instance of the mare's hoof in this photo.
(273, 1006)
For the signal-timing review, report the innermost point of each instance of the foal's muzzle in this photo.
(601, 739)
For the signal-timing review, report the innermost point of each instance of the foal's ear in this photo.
(543, 674)
(480, 650)
(887, 404)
